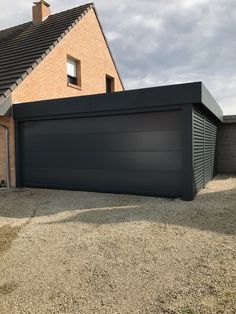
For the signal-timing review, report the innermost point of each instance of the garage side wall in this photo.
(226, 146)
(204, 149)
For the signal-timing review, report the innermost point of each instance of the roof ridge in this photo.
(80, 6)
(29, 22)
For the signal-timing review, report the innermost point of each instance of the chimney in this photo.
(41, 10)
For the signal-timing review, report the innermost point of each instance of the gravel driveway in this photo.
(77, 252)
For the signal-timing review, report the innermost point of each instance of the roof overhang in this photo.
(148, 98)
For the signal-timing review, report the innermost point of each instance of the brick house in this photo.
(52, 56)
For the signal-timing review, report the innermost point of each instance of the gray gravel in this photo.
(77, 252)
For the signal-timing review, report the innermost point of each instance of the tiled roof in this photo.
(24, 46)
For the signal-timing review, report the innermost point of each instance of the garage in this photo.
(157, 141)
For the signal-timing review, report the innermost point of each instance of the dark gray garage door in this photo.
(130, 153)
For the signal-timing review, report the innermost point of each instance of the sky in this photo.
(160, 42)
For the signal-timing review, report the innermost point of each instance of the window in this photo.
(110, 84)
(73, 72)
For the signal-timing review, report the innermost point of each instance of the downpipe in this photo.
(7, 154)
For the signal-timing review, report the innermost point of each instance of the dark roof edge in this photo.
(108, 46)
(162, 97)
(8, 92)
(210, 103)
(230, 119)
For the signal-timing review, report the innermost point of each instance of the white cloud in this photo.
(192, 3)
(113, 35)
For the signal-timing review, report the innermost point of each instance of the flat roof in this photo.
(181, 94)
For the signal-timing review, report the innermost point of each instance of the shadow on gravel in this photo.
(213, 211)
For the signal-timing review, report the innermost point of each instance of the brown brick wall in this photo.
(84, 42)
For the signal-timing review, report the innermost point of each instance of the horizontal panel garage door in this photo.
(130, 153)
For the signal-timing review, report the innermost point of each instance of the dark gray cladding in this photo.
(130, 153)
(189, 93)
(226, 146)
(204, 149)
(145, 141)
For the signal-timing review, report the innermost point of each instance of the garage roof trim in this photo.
(181, 94)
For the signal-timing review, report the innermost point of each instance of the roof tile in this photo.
(24, 46)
